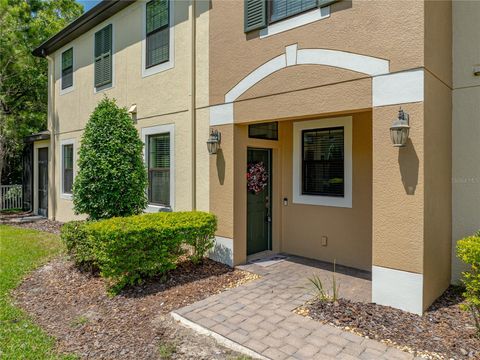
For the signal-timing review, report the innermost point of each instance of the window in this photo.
(281, 9)
(157, 32)
(158, 158)
(67, 68)
(323, 162)
(268, 131)
(67, 167)
(103, 57)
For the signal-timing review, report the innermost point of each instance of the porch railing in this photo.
(11, 197)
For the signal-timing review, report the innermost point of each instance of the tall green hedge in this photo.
(129, 249)
(112, 177)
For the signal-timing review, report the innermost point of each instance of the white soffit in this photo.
(399, 289)
(398, 88)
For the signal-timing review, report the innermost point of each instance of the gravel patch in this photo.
(445, 331)
(74, 307)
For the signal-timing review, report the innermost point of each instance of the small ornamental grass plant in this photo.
(127, 250)
(468, 250)
(321, 291)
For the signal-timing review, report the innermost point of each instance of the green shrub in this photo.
(131, 248)
(468, 250)
(74, 236)
(112, 177)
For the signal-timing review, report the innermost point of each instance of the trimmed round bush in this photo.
(112, 177)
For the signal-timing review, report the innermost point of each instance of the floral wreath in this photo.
(257, 177)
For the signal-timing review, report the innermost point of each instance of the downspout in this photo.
(51, 121)
(193, 105)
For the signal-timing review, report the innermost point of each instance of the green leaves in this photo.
(468, 250)
(129, 249)
(112, 177)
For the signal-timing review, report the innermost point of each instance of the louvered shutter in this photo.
(255, 14)
(103, 56)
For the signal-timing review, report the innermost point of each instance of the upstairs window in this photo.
(103, 57)
(67, 69)
(157, 32)
(281, 9)
(158, 159)
(67, 167)
(323, 162)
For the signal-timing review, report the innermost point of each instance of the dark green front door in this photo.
(259, 209)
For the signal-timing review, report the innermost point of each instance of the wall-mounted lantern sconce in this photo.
(400, 129)
(133, 112)
(213, 142)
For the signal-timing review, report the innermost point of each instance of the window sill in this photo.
(157, 208)
(67, 90)
(66, 196)
(296, 21)
(322, 200)
(103, 88)
(157, 68)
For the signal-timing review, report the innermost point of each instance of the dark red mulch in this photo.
(73, 306)
(443, 329)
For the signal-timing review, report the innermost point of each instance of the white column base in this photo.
(399, 289)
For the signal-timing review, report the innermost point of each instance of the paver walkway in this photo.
(259, 316)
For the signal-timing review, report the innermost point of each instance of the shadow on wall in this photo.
(222, 254)
(220, 166)
(409, 163)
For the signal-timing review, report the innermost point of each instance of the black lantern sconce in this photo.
(213, 142)
(400, 129)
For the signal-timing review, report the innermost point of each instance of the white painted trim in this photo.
(295, 21)
(59, 61)
(221, 114)
(222, 250)
(298, 197)
(291, 53)
(256, 76)
(64, 195)
(398, 88)
(222, 340)
(160, 129)
(112, 85)
(341, 59)
(171, 56)
(399, 289)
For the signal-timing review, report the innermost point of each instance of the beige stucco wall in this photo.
(466, 125)
(161, 98)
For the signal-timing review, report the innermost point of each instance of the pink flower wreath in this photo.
(257, 177)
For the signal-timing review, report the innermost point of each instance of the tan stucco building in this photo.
(303, 97)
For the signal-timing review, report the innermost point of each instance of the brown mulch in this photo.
(41, 225)
(74, 307)
(444, 331)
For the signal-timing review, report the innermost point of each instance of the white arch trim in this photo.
(387, 88)
(360, 63)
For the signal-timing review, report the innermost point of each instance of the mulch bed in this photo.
(74, 307)
(41, 225)
(444, 331)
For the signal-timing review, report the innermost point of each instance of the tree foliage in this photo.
(23, 77)
(112, 177)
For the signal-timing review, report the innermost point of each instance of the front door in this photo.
(259, 208)
(43, 181)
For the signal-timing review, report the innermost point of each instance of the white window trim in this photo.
(112, 84)
(64, 195)
(171, 55)
(161, 129)
(298, 197)
(70, 88)
(295, 21)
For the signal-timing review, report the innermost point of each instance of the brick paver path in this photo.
(259, 316)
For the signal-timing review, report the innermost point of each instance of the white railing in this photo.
(11, 197)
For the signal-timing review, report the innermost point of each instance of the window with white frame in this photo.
(157, 32)
(322, 162)
(159, 160)
(67, 69)
(68, 160)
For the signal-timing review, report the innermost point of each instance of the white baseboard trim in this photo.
(222, 340)
(399, 289)
(222, 250)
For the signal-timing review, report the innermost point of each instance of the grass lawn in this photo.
(21, 251)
